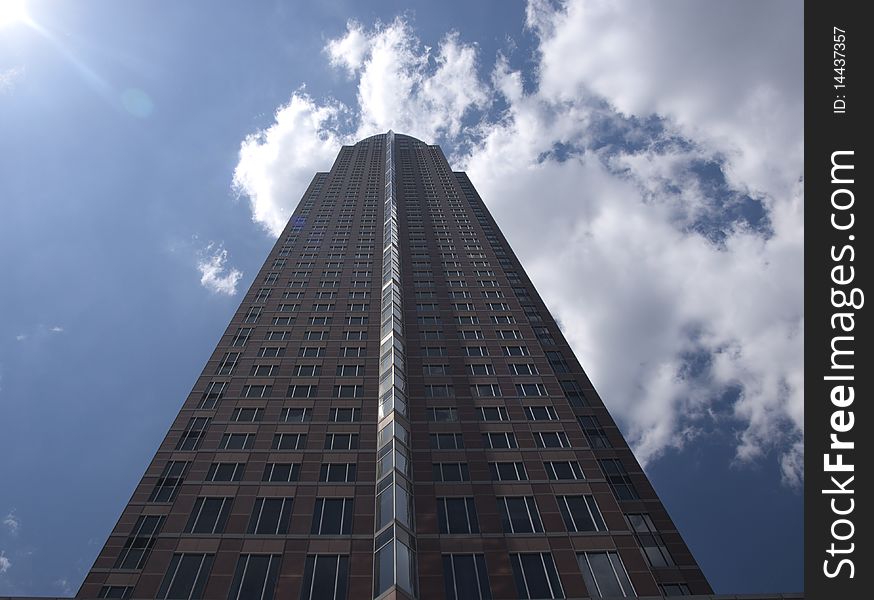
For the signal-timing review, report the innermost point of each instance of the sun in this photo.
(12, 11)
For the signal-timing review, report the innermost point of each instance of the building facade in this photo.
(393, 412)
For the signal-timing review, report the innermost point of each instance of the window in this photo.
(237, 441)
(115, 591)
(604, 575)
(222, 471)
(281, 472)
(594, 432)
(471, 334)
(242, 336)
(500, 439)
(540, 413)
(255, 577)
(257, 391)
(515, 350)
(675, 589)
(557, 362)
(446, 441)
(252, 314)
(212, 394)
(442, 390)
(481, 369)
(434, 351)
(519, 515)
(348, 391)
(209, 515)
(227, 363)
(435, 369)
(493, 413)
(271, 352)
(264, 370)
(551, 439)
(270, 516)
(650, 541)
(341, 441)
(289, 441)
(307, 370)
(508, 471)
(282, 320)
(618, 479)
(325, 577)
(345, 415)
(574, 393)
(432, 335)
(530, 389)
(193, 434)
(563, 470)
(295, 415)
(315, 336)
(337, 472)
(311, 352)
(580, 513)
(319, 321)
(465, 577)
(354, 335)
(450, 472)
(301, 391)
(476, 351)
(138, 546)
(186, 576)
(522, 369)
(169, 481)
(457, 515)
(485, 390)
(509, 334)
(352, 352)
(536, 576)
(332, 516)
(443, 415)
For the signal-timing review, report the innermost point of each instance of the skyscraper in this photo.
(393, 412)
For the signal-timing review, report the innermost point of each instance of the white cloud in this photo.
(20, 337)
(277, 164)
(683, 306)
(9, 78)
(57, 329)
(215, 274)
(12, 522)
(5, 563)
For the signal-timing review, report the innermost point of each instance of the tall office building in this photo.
(393, 413)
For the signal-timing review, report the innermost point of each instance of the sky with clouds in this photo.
(149, 156)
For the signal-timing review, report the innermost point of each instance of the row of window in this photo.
(174, 473)
(465, 576)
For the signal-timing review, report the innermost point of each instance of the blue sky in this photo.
(149, 152)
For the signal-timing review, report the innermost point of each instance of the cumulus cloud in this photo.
(11, 522)
(9, 78)
(5, 563)
(57, 329)
(670, 158)
(215, 274)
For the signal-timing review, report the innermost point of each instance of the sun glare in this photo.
(12, 11)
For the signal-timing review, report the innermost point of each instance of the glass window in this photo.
(650, 540)
(508, 471)
(559, 470)
(551, 439)
(465, 577)
(332, 516)
(209, 515)
(519, 515)
(536, 576)
(168, 483)
(500, 439)
(225, 472)
(338, 472)
(457, 515)
(255, 577)
(446, 441)
(594, 432)
(138, 546)
(270, 516)
(580, 513)
(281, 472)
(618, 479)
(604, 575)
(186, 577)
(325, 577)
